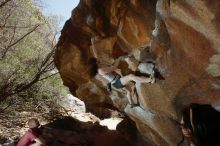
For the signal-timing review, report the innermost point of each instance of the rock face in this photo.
(184, 37)
(93, 134)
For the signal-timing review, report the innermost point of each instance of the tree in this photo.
(4, 3)
(27, 42)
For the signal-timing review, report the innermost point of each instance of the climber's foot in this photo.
(152, 78)
(125, 57)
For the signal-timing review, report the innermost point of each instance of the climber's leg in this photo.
(128, 91)
(131, 95)
(126, 79)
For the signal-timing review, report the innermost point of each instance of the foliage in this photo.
(27, 43)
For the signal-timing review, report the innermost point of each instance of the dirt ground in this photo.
(13, 125)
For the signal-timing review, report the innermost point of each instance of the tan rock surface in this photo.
(184, 36)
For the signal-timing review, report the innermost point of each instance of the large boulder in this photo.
(184, 37)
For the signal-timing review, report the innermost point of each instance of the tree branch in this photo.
(20, 39)
(7, 17)
(9, 26)
(13, 35)
(48, 76)
(4, 3)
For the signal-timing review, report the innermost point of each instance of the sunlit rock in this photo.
(184, 37)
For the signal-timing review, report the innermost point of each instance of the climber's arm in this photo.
(108, 69)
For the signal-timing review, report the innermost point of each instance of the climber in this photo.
(115, 78)
(33, 135)
(200, 125)
(113, 75)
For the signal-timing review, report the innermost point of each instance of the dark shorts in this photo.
(118, 84)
